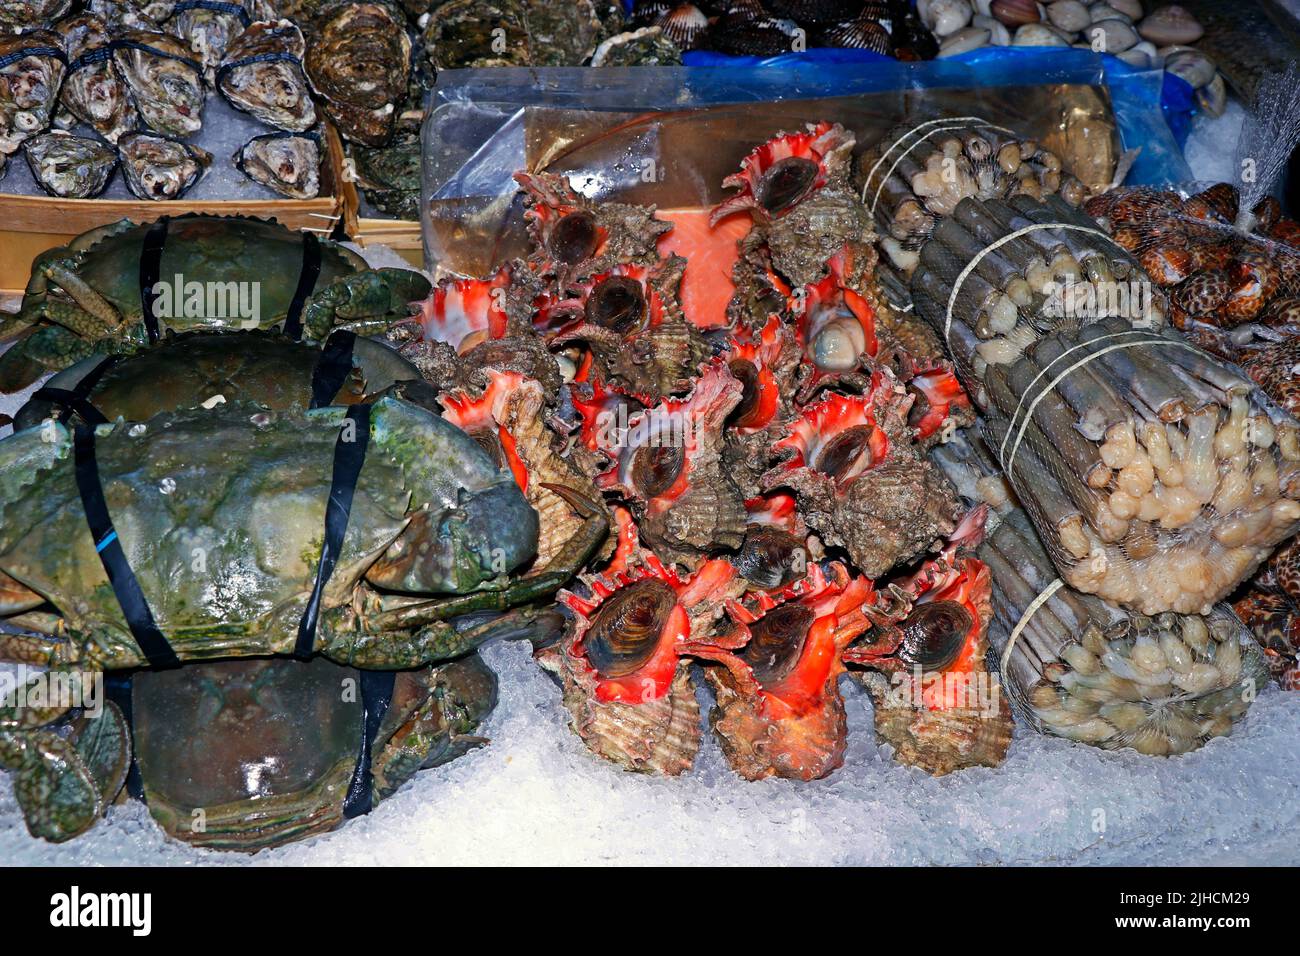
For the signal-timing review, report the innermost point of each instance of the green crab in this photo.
(89, 298)
(244, 754)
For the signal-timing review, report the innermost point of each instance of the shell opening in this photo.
(934, 634)
(617, 303)
(846, 455)
(777, 641)
(574, 238)
(786, 182)
(626, 630)
(656, 468)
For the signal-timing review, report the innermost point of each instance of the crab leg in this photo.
(561, 568)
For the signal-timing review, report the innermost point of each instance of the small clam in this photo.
(1068, 15)
(1111, 35)
(1170, 24)
(1038, 34)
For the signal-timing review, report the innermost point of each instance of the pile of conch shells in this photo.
(756, 419)
(1163, 38)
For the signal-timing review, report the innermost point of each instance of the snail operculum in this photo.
(786, 182)
(846, 455)
(934, 635)
(617, 303)
(770, 557)
(656, 468)
(574, 238)
(777, 641)
(627, 628)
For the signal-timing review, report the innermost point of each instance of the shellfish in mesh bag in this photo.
(1158, 475)
(1086, 669)
(917, 174)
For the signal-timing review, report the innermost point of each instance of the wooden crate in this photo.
(29, 225)
(404, 238)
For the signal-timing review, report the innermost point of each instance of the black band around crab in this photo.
(216, 6)
(311, 254)
(150, 271)
(349, 456)
(130, 598)
(77, 398)
(333, 366)
(9, 59)
(275, 56)
(376, 695)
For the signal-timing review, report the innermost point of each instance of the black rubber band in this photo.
(194, 65)
(9, 59)
(306, 284)
(216, 6)
(150, 269)
(277, 56)
(77, 398)
(333, 367)
(376, 696)
(349, 456)
(130, 597)
(101, 54)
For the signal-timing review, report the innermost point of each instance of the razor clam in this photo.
(94, 91)
(70, 167)
(360, 66)
(262, 74)
(24, 14)
(32, 66)
(166, 82)
(160, 168)
(285, 162)
(208, 27)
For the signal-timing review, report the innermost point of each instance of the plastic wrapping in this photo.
(669, 136)
(1087, 670)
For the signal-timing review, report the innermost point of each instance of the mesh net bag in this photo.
(1081, 668)
(1158, 475)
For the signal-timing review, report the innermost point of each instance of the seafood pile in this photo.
(1163, 38)
(1087, 670)
(760, 446)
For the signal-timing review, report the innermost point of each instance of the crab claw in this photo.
(785, 171)
(779, 708)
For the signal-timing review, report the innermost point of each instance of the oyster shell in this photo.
(476, 33)
(94, 91)
(360, 65)
(70, 167)
(390, 175)
(209, 27)
(649, 46)
(129, 15)
(287, 163)
(166, 82)
(32, 66)
(160, 168)
(262, 74)
(25, 14)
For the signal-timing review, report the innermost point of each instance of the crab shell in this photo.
(787, 169)
(668, 464)
(639, 711)
(933, 718)
(853, 466)
(575, 237)
(787, 720)
(508, 420)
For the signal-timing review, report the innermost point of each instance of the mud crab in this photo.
(89, 296)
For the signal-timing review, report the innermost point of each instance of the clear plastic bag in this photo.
(669, 136)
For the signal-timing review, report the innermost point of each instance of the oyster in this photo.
(32, 66)
(166, 82)
(70, 167)
(209, 26)
(390, 175)
(94, 91)
(359, 66)
(476, 33)
(262, 74)
(24, 14)
(159, 168)
(286, 162)
(649, 46)
(128, 15)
